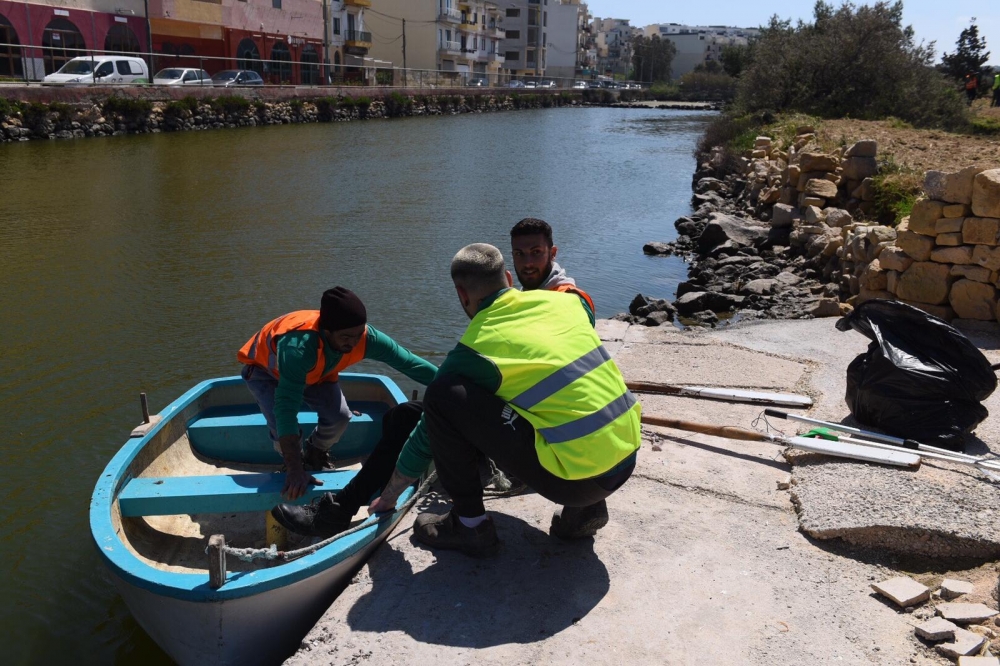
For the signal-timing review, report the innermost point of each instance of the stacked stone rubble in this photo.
(946, 256)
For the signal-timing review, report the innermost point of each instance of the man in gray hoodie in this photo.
(534, 261)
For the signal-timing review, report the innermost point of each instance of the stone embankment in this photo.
(945, 258)
(111, 114)
(768, 241)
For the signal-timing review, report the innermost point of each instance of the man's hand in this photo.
(296, 480)
(387, 500)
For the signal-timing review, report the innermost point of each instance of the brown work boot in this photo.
(316, 460)
(447, 532)
(572, 522)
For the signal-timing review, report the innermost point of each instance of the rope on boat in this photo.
(272, 553)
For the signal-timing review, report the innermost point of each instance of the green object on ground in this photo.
(821, 433)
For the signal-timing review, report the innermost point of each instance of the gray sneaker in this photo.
(572, 522)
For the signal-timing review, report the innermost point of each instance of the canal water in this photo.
(143, 263)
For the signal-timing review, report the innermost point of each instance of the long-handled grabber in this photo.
(726, 394)
(886, 442)
(838, 449)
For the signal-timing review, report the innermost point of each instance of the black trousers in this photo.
(465, 422)
(397, 424)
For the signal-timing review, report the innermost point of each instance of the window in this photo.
(512, 55)
(281, 71)
(336, 26)
(104, 69)
(247, 56)
(10, 56)
(276, 4)
(124, 67)
(545, 19)
(513, 13)
(310, 66)
(513, 34)
(532, 16)
(60, 42)
(121, 40)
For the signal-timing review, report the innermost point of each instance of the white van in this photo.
(101, 70)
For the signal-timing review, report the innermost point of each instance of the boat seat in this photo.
(221, 493)
(237, 435)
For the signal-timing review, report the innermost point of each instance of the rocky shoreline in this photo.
(771, 240)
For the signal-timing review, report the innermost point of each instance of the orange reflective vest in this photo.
(262, 349)
(568, 288)
(971, 83)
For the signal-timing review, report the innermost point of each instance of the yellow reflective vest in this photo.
(556, 374)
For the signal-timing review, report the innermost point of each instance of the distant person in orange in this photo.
(971, 86)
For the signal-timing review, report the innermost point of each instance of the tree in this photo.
(736, 58)
(970, 54)
(857, 61)
(652, 58)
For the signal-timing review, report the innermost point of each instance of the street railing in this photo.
(36, 62)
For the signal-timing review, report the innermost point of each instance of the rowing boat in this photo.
(206, 466)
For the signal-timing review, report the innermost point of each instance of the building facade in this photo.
(283, 40)
(525, 23)
(44, 36)
(613, 44)
(563, 30)
(456, 37)
(697, 45)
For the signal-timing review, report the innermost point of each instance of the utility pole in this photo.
(404, 43)
(326, 42)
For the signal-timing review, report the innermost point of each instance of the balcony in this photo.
(496, 31)
(450, 16)
(358, 39)
(469, 26)
(454, 48)
(496, 57)
(358, 3)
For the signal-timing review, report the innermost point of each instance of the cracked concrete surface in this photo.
(703, 561)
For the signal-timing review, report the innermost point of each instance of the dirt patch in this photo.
(917, 149)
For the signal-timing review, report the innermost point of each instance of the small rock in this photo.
(656, 247)
(825, 307)
(936, 629)
(863, 148)
(965, 613)
(951, 588)
(965, 643)
(978, 661)
(785, 484)
(903, 591)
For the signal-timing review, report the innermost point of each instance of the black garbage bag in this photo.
(920, 378)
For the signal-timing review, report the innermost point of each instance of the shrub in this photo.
(607, 97)
(896, 190)
(705, 85)
(397, 104)
(9, 107)
(662, 92)
(64, 111)
(986, 126)
(856, 61)
(34, 114)
(735, 134)
(325, 107)
(230, 104)
(127, 108)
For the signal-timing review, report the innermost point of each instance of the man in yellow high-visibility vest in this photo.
(530, 386)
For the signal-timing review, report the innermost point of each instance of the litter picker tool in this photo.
(726, 394)
(838, 449)
(873, 436)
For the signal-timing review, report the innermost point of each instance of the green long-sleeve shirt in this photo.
(465, 362)
(297, 351)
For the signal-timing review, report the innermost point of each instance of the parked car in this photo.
(547, 84)
(530, 84)
(100, 70)
(515, 84)
(182, 76)
(593, 84)
(579, 85)
(478, 83)
(237, 77)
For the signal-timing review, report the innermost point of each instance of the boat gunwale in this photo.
(195, 587)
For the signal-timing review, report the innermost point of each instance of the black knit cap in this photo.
(341, 308)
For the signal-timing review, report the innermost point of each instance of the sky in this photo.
(932, 20)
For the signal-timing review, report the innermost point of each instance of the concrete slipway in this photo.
(703, 561)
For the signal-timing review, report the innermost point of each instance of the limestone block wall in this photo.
(946, 255)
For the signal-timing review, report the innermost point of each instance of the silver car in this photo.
(182, 76)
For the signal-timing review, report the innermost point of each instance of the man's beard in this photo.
(542, 276)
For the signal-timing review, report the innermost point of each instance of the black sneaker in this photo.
(316, 460)
(323, 518)
(571, 522)
(447, 532)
